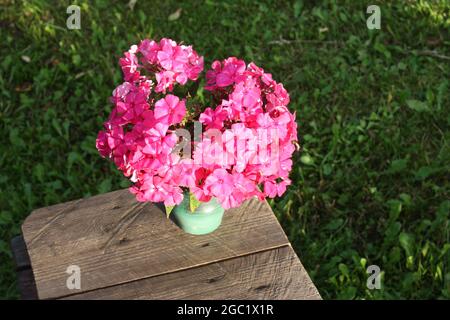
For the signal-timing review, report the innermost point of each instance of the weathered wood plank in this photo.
(25, 278)
(272, 274)
(26, 284)
(20, 253)
(114, 240)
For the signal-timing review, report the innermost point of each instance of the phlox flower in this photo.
(224, 74)
(158, 140)
(102, 144)
(186, 171)
(130, 64)
(213, 119)
(169, 110)
(156, 189)
(171, 56)
(149, 50)
(199, 190)
(220, 183)
(273, 189)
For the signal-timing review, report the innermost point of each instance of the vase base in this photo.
(202, 221)
(197, 230)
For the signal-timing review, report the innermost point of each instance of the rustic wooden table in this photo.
(130, 250)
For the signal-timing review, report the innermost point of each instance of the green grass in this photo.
(371, 185)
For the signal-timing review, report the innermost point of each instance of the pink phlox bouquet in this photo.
(233, 139)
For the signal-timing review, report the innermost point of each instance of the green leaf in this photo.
(444, 250)
(382, 49)
(443, 210)
(74, 157)
(193, 202)
(306, 159)
(401, 66)
(425, 249)
(363, 262)
(392, 230)
(56, 124)
(425, 172)
(417, 105)
(176, 15)
(39, 172)
(334, 224)
(125, 183)
(407, 242)
(410, 262)
(395, 255)
(105, 186)
(398, 165)
(15, 138)
(348, 293)
(343, 17)
(343, 269)
(298, 8)
(169, 210)
(395, 207)
(76, 59)
(406, 199)
(327, 169)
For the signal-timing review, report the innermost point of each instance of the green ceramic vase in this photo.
(205, 219)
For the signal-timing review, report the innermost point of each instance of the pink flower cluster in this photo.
(171, 63)
(247, 139)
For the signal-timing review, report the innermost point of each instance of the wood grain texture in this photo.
(272, 274)
(114, 240)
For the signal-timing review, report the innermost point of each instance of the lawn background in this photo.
(371, 185)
